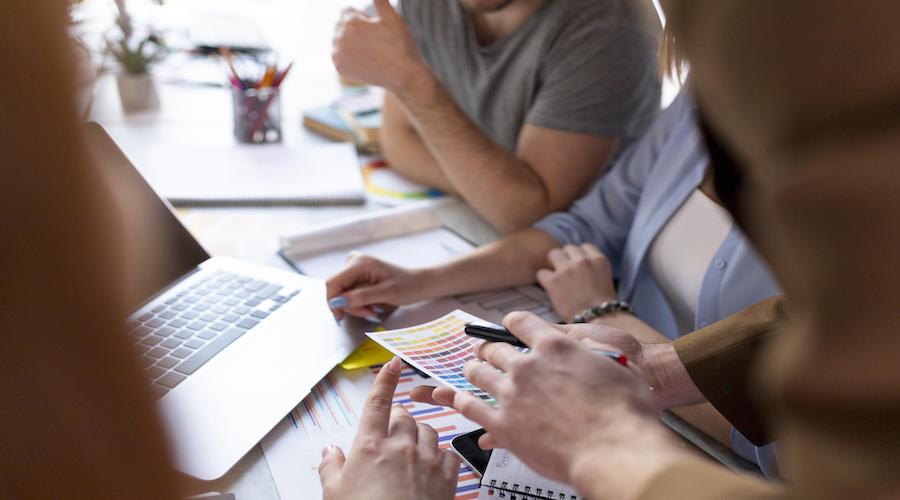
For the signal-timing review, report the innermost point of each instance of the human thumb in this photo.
(331, 466)
(386, 11)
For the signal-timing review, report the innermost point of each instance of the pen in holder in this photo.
(257, 115)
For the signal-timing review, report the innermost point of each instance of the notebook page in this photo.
(242, 173)
(506, 477)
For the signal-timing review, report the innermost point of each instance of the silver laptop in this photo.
(227, 347)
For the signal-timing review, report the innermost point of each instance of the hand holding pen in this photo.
(495, 333)
(562, 406)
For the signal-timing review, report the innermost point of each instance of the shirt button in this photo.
(704, 324)
(720, 263)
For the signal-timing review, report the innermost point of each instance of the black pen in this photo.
(495, 333)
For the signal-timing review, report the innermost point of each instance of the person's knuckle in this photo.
(463, 405)
(428, 430)
(519, 377)
(369, 447)
(507, 392)
(407, 449)
(554, 343)
(379, 403)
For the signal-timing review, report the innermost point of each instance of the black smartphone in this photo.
(466, 446)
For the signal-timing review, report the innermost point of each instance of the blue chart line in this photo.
(427, 411)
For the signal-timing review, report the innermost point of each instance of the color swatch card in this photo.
(439, 348)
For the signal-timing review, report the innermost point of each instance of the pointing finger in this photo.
(377, 411)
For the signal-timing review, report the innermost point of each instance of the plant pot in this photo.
(137, 92)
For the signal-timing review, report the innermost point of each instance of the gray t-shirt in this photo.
(583, 66)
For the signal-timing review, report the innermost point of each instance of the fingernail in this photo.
(395, 365)
(328, 449)
(337, 302)
(372, 319)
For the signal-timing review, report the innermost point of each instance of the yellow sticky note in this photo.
(368, 354)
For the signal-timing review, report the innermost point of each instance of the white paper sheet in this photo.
(329, 416)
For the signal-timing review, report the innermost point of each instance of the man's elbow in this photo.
(523, 209)
(390, 147)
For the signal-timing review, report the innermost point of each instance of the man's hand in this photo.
(663, 369)
(569, 412)
(376, 50)
(392, 456)
(578, 277)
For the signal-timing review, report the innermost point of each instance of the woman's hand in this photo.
(568, 411)
(372, 289)
(392, 456)
(578, 277)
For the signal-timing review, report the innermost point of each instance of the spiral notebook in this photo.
(326, 174)
(507, 478)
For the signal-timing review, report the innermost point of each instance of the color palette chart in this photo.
(439, 348)
(330, 415)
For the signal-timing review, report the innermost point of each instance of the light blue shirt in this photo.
(627, 208)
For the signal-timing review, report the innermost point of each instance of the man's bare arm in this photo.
(548, 170)
(405, 151)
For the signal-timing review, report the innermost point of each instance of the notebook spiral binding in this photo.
(268, 202)
(519, 492)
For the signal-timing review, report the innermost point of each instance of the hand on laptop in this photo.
(372, 289)
(392, 456)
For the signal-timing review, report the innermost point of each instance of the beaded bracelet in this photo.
(603, 309)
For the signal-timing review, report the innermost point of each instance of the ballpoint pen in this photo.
(494, 333)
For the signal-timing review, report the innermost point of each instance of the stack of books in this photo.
(354, 118)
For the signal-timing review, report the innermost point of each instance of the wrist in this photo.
(674, 386)
(414, 84)
(430, 282)
(624, 469)
(602, 309)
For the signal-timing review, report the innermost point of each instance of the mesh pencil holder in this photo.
(257, 115)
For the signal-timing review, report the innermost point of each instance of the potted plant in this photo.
(135, 53)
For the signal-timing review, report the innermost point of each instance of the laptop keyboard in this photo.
(178, 336)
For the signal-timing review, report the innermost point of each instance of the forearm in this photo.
(676, 391)
(706, 419)
(512, 261)
(624, 471)
(475, 165)
(405, 152)
(631, 324)
(407, 155)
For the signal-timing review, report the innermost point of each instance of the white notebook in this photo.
(506, 477)
(326, 174)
